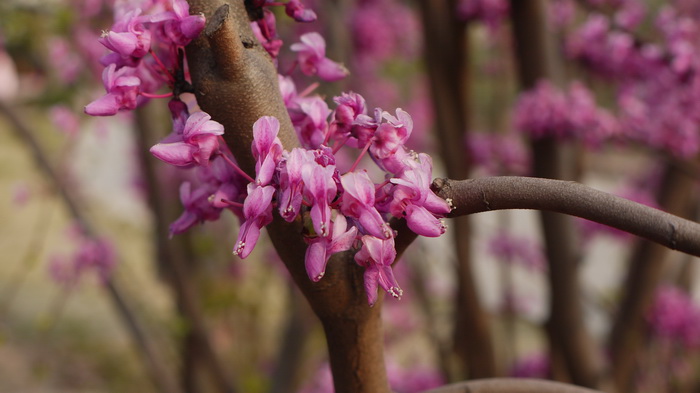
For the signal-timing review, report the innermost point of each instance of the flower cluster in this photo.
(90, 254)
(342, 208)
(548, 112)
(145, 54)
(674, 316)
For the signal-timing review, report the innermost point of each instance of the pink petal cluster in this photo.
(674, 316)
(313, 61)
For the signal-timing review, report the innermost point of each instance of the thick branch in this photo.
(512, 192)
(511, 385)
(237, 94)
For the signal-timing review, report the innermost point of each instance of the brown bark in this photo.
(446, 49)
(537, 59)
(571, 198)
(236, 83)
(646, 268)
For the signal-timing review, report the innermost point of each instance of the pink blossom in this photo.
(267, 148)
(376, 256)
(413, 199)
(194, 143)
(122, 87)
(313, 61)
(291, 183)
(257, 212)
(310, 120)
(358, 203)
(295, 9)
(177, 25)
(323, 247)
(129, 40)
(320, 190)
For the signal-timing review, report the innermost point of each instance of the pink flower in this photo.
(413, 199)
(376, 256)
(310, 120)
(257, 212)
(197, 206)
(267, 148)
(177, 25)
(193, 144)
(320, 190)
(129, 40)
(122, 87)
(322, 248)
(291, 183)
(358, 203)
(312, 58)
(296, 10)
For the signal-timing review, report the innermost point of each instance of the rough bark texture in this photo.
(571, 198)
(236, 83)
(446, 48)
(537, 59)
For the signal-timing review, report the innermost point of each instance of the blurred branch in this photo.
(171, 255)
(161, 377)
(537, 58)
(513, 192)
(511, 385)
(446, 56)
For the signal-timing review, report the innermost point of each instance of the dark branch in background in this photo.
(512, 192)
(172, 256)
(511, 385)
(571, 346)
(646, 266)
(446, 56)
(155, 365)
(235, 82)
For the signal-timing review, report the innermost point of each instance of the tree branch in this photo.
(236, 95)
(511, 385)
(512, 192)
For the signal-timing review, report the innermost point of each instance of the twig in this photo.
(513, 192)
(511, 385)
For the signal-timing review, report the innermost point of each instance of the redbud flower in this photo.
(322, 248)
(267, 148)
(122, 92)
(321, 190)
(296, 10)
(376, 256)
(312, 58)
(177, 25)
(194, 144)
(257, 211)
(291, 183)
(358, 203)
(129, 40)
(414, 200)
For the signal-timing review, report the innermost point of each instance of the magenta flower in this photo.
(310, 120)
(376, 256)
(322, 248)
(350, 105)
(313, 61)
(265, 30)
(392, 135)
(320, 189)
(257, 212)
(177, 25)
(193, 144)
(358, 203)
(129, 40)
(296, 10)
(413, 199)
(197, 206)
(267, 148)
(122, 87)
(291, 183)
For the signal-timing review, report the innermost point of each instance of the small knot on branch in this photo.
(217, 20)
